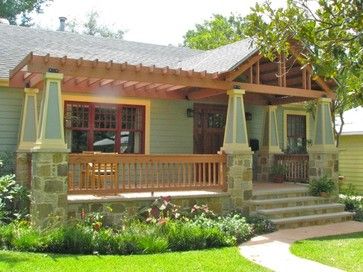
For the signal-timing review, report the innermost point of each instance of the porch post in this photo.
(28, 134)
(270, 145)
(323, 154)
(239, 155)
(50, 158)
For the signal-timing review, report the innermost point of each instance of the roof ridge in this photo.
(98, 37)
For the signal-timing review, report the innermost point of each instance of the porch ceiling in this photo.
(146, 81)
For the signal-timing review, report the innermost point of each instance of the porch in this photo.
(87, 105)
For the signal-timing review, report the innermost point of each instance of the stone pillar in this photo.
(28, 134)
(239, 155)
(50, 158)
(49, 187)
(270, 145)
(323, 154)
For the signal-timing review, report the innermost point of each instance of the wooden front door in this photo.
(209, 122)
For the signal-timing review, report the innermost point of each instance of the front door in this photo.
(209, 122)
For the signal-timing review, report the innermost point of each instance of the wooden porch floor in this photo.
(146, 196)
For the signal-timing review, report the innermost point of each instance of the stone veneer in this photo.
(265, 161)
(114, 208)
(239, 179)
(49, 187)
(23, 169)
(323, 163)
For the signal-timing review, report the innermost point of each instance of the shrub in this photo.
(14, 200)
(233, 224)
(353, 203)
(260, 224)
(321, 185)
(7, 163)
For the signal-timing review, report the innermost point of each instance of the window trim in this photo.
(296, 112)
(91, 126)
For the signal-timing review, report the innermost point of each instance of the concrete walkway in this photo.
(272, 250)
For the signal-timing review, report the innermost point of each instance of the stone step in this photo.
(310, 220)
(258, 204)
(280, 193)
(297, 211)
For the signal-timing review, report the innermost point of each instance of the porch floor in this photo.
(259, 186)
(146, 196)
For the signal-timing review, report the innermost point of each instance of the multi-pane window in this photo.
(296, 133)
(105, 127)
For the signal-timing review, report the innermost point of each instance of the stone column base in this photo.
(265, 161)
(239, 179)
(49, 187)
(23, 169)
(323, 163)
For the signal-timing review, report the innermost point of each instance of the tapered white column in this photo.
(235, 134)
(51, 130)
(270, 142)
(28, 132)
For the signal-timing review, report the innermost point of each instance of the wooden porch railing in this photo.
(297, 166)
(116, 173)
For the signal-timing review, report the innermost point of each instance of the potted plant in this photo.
(323, 186)
(278, 172)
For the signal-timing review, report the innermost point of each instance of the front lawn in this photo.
(225, 259)
(340, 251)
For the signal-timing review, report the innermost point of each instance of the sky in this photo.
(151, 21)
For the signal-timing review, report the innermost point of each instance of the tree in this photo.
(329, 38)
(91, 27)
(11, 10)
(218, 31)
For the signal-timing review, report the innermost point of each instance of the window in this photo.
(296, 133)
(104, 127)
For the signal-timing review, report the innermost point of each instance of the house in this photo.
(351, 149)
(97, 121)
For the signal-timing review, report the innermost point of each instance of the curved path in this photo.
(272, 250)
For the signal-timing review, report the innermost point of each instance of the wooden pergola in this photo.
(266, 83)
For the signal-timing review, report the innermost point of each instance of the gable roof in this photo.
(17, 42)
(353, 124)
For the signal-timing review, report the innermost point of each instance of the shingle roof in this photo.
(16, 42)
(353, 124)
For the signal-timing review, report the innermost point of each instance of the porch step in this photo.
(309, 220)
(260, 204)
(297, 211)
(280, 193)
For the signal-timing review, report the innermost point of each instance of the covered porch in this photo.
(67, 140)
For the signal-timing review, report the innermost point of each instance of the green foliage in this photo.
(14, 200)
(216, 32)
(260, 224)
(329, 38)
(7, 163)
(321, 185)
(353, 203)
(232, 224)
(11, 9)
(278, 170)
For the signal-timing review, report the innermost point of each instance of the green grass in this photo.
(340, 251)
(225, 259)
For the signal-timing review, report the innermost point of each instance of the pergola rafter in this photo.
(82, 75)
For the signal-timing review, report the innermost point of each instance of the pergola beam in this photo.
(133, 74)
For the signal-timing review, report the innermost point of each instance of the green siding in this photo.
(10, 111)
(255, 127)
(171, 131)
(351, 160)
